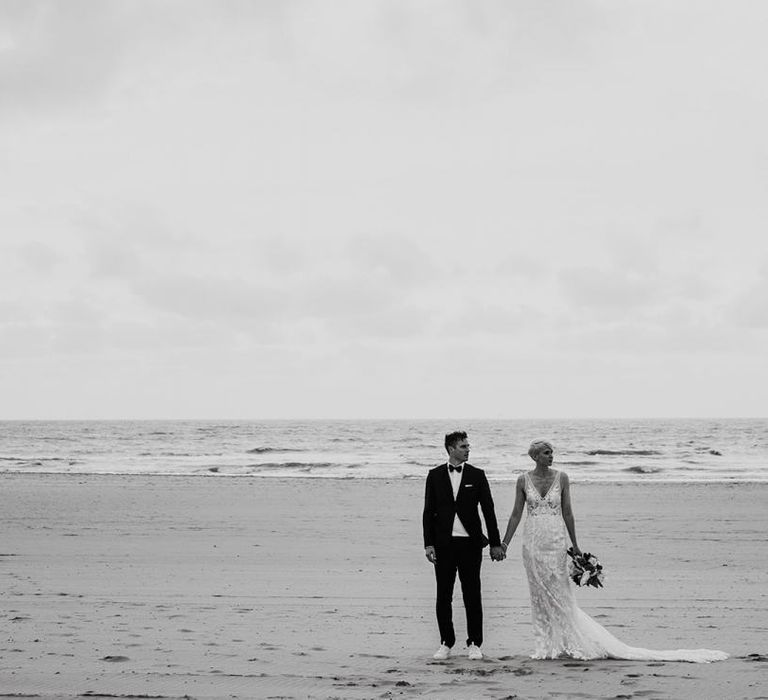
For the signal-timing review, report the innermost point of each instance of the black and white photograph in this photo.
(384, 349)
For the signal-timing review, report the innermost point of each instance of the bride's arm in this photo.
(570, 523)
(517, 512)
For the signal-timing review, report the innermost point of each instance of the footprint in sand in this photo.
(374, 656)
(522, 672)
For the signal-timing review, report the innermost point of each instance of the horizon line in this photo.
(376, 418)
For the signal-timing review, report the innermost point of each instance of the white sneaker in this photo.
(474, 653)
(442, 653)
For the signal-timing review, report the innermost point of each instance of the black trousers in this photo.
(464, 557)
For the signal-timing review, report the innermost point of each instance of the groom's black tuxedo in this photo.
(462, 555)
(440, 508)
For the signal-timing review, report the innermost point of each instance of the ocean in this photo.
(674, 450)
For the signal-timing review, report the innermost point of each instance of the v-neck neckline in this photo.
(533, 486)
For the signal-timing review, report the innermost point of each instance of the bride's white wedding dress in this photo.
(560, 627)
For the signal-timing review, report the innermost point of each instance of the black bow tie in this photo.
(454, 469)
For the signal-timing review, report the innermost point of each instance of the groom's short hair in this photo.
(452, 438)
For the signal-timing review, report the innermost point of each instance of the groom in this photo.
(454, 540)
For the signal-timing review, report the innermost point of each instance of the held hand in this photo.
(576, 550)
(497, 553)
(429, 553)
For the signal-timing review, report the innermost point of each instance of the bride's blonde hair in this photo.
(537, 446)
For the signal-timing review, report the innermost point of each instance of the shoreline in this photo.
(306, 587)
(405, 477)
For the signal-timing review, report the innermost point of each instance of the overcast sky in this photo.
(384, 208)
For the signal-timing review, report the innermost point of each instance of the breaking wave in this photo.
(623, 453)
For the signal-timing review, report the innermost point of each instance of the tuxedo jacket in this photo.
(440, 508)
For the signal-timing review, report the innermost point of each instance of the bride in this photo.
(560, 627)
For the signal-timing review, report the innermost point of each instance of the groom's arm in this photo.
(489, 513)
(427, 518)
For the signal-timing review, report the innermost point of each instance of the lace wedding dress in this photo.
(560, 627)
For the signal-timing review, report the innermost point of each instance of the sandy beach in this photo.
(211, 587)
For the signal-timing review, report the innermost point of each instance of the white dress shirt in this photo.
(458, 527)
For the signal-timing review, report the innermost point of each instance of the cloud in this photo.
(484, 318)
(39, 258)
(597, 289)
(62, 326)
(57, 55)
(435, 52)
(392, 258)
(749, 309)
(206, 298)
(640, 342)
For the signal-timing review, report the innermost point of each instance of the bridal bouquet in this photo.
(585, 569)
